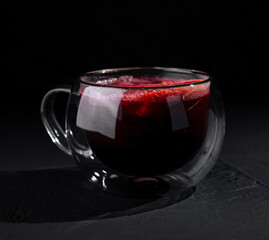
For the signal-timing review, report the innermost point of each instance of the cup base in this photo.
(135, 186)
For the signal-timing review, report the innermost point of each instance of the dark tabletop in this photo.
(42, 196)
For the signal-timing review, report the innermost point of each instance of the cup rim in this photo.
(207, 77)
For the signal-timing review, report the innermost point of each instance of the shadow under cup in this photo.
(145, 131)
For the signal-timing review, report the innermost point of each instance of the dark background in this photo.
(48, 43)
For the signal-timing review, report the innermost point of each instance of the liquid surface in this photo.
(155, 131)
(133, 82)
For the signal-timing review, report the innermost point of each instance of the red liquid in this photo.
(157, 130)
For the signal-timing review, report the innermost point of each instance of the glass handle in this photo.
(55, 131)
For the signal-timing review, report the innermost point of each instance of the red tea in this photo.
(158, 125)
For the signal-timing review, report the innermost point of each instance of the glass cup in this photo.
(140, 131)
